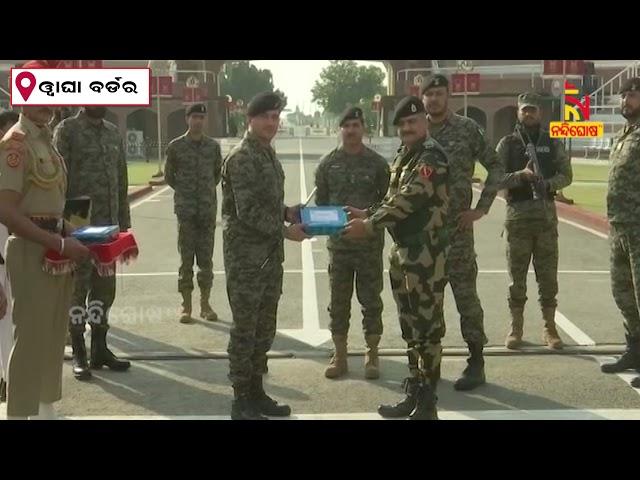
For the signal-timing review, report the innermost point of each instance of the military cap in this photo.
(197, 108)
(351, 113)
(631, 85)
(263, 102)
(436, 80)
(528, 99)
(407, 106)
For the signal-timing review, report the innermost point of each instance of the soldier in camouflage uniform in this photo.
(415, 212)
(355, 175)
(531, 221)
(193, 169)
(254, 229)
(465, 143)
(623, 205)
(93, 152)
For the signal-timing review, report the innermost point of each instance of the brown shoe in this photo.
(371, 364)
(514, 339)
(338, 365)
(185, 313)
(550, 333)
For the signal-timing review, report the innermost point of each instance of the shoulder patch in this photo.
(426, 171)
(14, 158)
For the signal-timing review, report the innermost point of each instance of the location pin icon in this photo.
(25, 83)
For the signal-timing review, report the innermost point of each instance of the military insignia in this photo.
(15, 135)
(14, 159)
(426, 171)
(413, 108)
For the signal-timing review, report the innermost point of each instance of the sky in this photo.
(296, 78)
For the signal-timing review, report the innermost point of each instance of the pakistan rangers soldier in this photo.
(193, 169)
(32, 196)
(254, 229)
(623, 205)
(415, 212)
(531, 222)
(93, 152)
(355, 175)
(465, 143)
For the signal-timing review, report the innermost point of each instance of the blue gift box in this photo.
(93, 234)
(323, 220)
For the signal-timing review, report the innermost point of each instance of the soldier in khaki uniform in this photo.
(32, 196)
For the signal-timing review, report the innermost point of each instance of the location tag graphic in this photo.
(25, 83)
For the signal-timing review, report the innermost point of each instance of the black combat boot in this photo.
(473, 374)
(3, 390)
(629, 360)
(80, 364)
(426, 403)
(406, 406)
(100, 354)
(265, 404)
(242, 407)
(635, 383)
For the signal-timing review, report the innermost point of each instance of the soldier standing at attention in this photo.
(355, 175)
(532, 224)
(465, 143)
(415, 212)
(254, 216)
(93, 152)
(193, 168)
(623, 206)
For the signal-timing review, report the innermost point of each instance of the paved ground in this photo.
(180, 370)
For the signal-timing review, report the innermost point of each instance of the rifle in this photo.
(538, 188)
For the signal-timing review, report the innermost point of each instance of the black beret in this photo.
(631, 85)
(406, 107)
(351, 113)
(263, 102)
(197, 108)
(436, 80)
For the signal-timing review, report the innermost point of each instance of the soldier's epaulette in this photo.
(432, 144)
(12, 140)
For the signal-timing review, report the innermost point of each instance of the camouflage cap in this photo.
(406, 107)
(631, 85)
(436, 80)
(528, 99)
(351, 113)
(263, 102)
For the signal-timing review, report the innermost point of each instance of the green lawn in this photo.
(140, 172)
(590, 197)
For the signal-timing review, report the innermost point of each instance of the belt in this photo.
(50, 224)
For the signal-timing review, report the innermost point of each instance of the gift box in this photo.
(323, 220)
(77, 211)
(104, 256)
(92, 234)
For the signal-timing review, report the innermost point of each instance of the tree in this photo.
(343, 83)
(242, 81)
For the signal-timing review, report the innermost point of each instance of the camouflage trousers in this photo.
(625, 274)
(462, 270)
(92, 298)
(195, 240)
(537, 239)
(253, 294)
(418, 279)
(366, 267)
